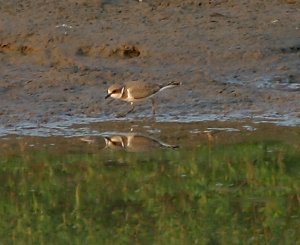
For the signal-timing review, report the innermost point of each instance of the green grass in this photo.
(246, 193)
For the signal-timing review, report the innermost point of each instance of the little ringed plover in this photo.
(134, 91)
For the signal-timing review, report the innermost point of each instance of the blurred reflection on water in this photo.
(131, 142)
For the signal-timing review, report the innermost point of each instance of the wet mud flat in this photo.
(235, 59)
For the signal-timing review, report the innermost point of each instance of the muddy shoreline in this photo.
(236, 59)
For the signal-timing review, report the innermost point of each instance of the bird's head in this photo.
(115, 91)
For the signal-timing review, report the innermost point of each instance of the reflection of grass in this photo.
(219, 194)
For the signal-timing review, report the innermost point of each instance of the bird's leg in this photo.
(124, 114)
(131, 109)
(153, 107)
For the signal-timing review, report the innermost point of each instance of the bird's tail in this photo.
(174, 83)
(170, 85)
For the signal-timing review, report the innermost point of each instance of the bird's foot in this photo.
(120, 115)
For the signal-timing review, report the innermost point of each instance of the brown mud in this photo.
(236, 59)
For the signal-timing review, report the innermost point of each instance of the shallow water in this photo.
(152, 183)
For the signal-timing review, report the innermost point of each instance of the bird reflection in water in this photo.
(132, 142)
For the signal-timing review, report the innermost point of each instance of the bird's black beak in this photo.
(107, 96)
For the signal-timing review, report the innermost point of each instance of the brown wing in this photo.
(141, 90)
